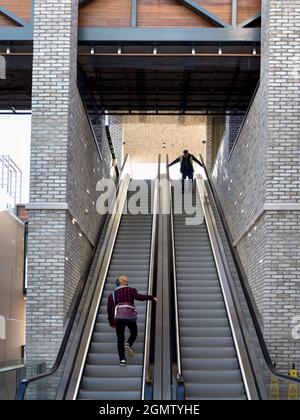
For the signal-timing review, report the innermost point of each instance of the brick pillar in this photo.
(281, 66)
(259, 183)
(65, 167)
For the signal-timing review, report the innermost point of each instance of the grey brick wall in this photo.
(233, 123)
(65, 168)
(259, 187)
(215, 131)
(117, 135)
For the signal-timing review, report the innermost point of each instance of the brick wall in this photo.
(65, 168)
(163, 134)
(258, 184)
(215, 130)
(117, 135)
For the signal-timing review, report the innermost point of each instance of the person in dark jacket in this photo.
(121, 314)
(186, 166)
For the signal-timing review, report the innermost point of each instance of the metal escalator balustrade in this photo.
(264, 368)
(209, 361)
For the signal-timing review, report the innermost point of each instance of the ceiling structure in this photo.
(157, 56)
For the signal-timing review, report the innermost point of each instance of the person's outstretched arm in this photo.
(111, 311)
(140, 297)
(174, 162)
(197, 161)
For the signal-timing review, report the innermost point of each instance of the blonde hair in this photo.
(123, 280)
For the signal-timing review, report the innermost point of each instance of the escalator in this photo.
(102, 378)
(87, 365)
(210, 364)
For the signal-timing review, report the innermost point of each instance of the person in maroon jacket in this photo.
(121, 314)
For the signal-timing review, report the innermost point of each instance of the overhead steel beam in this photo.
(171, 35)
(201, 11)
(16, 34)
(250, 20)
(12, 17)
(234, 8)
(84, 2)
(133, 13)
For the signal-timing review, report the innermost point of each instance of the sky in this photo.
(15, 141)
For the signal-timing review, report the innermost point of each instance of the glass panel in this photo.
(11, 374)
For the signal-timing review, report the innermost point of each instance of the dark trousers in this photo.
(189, 175)
(121, 325)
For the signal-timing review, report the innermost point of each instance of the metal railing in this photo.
(180, 387)
(147, 387)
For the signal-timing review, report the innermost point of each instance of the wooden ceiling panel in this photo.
(247, 9)
(106, 13)
(220, 8)
(5, 21)
(167, 14)
(21, 8)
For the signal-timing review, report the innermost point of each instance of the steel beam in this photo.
(12, 17)
(171, 35)
(133, 13)
(16, 34)
(234, 5)
(250, 20)
(83, 3)
(201, 11)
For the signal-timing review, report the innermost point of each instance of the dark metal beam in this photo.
(171, 35)
(16, 34)
(83, 3)
(12, 17)
(133, 13)
(250, 20)
(201, 11)
(234, 5)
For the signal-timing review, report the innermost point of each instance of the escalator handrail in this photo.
(270, 364)
(147, 374)
(21, 390)
(179, 377)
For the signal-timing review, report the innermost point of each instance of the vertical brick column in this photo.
(65, 167)
(282, 288)
(259, 183)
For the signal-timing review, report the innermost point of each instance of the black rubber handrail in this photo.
(148, 364)
(242, 278)
(180, 385)
(21, 391)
